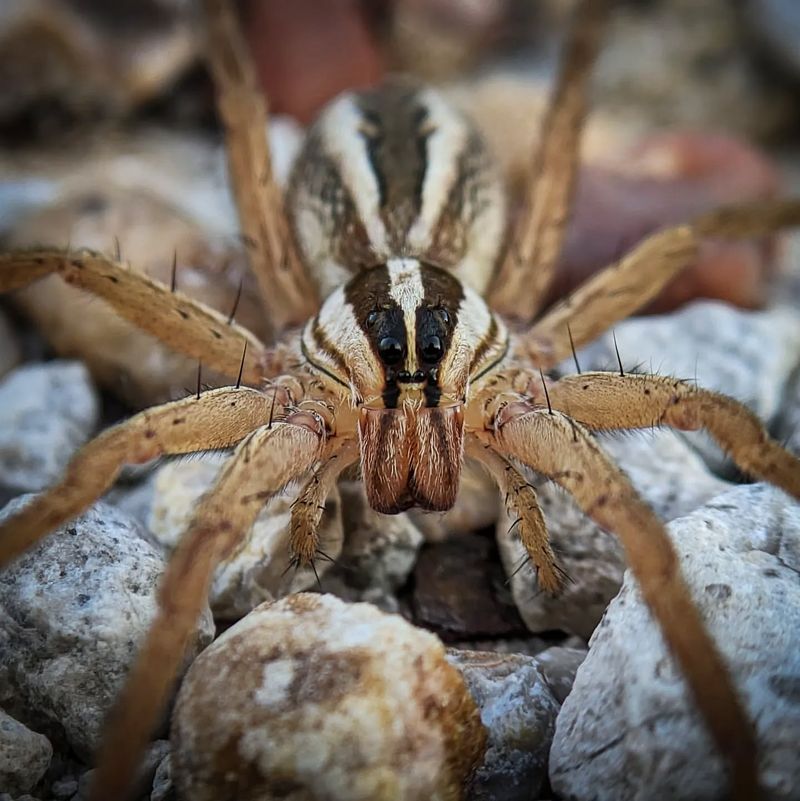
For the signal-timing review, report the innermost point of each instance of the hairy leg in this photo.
(624, 287)
(520, 499)
(527, 269)
(556, 446)
(310, 503)
(288, 294)
(605, 401)
(219, 418)
(185, 325)
(262, 466)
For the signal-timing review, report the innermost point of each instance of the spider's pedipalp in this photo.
(520, 499)
(285, 288)
(181, 323)
(611, 401)
(527, 271)
(625, 286)
(264, 463)
(310, 503)
(217, 419)
(561, 449)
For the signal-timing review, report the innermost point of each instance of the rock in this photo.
(628, 730)
(257, 571)
(75, 608)
(459, 591)
(519, 713)
(10, 352)
(669, 475)
(47, 411)
(747, 355)
(559, 665)
(310, 697)
(378, 555)
(24, 755)
(163, 789)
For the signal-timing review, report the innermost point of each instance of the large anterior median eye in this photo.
(432, 349)
(390, 350)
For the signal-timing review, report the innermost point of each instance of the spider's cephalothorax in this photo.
(397, 221)
(404, 340)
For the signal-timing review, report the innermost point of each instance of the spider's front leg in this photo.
(553, 444)
(604, 401)
(263, 464)
(218, 418)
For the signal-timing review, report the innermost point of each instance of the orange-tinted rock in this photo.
(668, 179)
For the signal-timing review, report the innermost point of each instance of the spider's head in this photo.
(406, 339)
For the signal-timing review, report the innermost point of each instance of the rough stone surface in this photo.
(628, 730)
(378, 555)
(10, 352)
(163, 789)
(519, 712)
(747, 355)
(670, 476)
(47, 411)
(310, 697)
(559, 665)
(24, 755)
(74, 609)
(257, 570)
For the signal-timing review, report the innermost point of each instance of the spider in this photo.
(428, 347)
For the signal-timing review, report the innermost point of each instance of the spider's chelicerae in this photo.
(427, 347)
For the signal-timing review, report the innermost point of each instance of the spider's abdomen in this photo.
(395, 172)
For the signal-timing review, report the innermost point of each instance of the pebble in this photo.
(311, 697)
(669, 475)
(10, 351)
(257, 571)
(47, 411)
(559, 665)
(628, 730)
(24, 755)
(519, 712)
(75, 607)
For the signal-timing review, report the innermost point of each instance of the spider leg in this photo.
(528, 267)
(520, 498)
(267, 460)
(625, 286)
(556, 446)
(288, 295)
(310, 503)
(185, 325)
(613, 401)
(219, 418)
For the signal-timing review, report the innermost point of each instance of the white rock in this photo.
(628, 730)
(74, 609)
(10, 352)
(670, 476)
(519, 713)
(747, 355)
(310, 697)
(47, 411)
(24, 755)
(257, 571)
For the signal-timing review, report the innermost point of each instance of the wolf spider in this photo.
(428, 346)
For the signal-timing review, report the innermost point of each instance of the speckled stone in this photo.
(628, 729)
(24, 755)
(519, 712)
(47, 411)
(310, 697)
(74, 609)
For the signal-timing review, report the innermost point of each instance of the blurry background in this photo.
(109, 138)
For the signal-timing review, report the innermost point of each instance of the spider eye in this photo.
(445, 315)
(390, 350)
(372, 318)
(432, 349)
